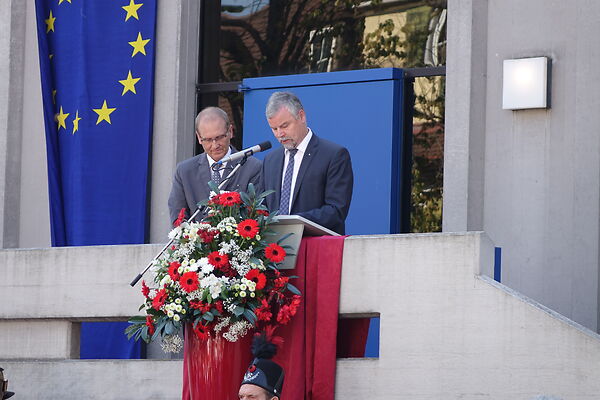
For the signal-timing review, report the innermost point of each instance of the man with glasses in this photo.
(311, 176)
(190, 183)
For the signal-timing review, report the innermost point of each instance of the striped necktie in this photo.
(284, 202)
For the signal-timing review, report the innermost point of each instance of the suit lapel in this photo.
(309, 154)
(278, 158)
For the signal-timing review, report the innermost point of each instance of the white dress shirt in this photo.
(211, 162)
(297, 162)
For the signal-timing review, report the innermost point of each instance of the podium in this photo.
(298, 227)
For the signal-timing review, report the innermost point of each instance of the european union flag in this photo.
(97, 70)
(97, 67)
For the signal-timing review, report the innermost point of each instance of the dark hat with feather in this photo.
(264, 372)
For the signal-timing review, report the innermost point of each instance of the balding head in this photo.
(214, 132)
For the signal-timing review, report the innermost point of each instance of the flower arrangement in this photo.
(220, 274)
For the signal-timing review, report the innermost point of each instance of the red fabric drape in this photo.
(308, 354)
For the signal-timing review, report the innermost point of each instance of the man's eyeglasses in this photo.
(217, 139)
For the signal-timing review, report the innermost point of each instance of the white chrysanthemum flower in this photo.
(170, 313)
(175, 232)
(176, 318)
(165, 280)
(205, 266)
(178, 307)
(178, 301)
(252, 294)
(243, 285)
(242, 294)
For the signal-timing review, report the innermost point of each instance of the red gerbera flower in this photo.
(275, 253)
(201, 331)
(259, 278)
(218, 260)
(248, 228)
(173, 270)
(145, 289)
(229, 199)
(159, 299)
(189, 281)
(150, 324)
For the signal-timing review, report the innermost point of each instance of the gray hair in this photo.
(283, 99)
(212, 113)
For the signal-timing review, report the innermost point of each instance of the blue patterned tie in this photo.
(284, 202)
(216, 176)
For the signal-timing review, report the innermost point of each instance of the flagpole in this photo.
(233, 171)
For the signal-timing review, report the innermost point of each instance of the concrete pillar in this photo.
(12, 37)
(174, 103)
(464, 145)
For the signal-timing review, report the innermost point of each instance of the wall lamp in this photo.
(526, 83)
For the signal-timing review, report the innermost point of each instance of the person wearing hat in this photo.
(263, 379)
(4, 386)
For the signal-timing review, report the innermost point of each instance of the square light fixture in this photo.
(525, 83)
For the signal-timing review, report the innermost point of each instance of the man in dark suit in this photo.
(190, 183)
(312, 177)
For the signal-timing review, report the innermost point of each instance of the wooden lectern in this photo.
(299, 227)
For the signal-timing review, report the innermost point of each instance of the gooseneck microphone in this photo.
(241, 154)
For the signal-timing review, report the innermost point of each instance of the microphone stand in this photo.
(233, 171)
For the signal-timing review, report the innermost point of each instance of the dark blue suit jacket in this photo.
(323, 187)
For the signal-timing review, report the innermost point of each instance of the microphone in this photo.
(241, 154)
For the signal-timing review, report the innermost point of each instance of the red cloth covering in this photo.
(308, 354)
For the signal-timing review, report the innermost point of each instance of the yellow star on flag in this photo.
(138, 45)
(129, 84)
(61, 118)
(61, 1)
(50, 23)
(103, 113)
(132, 10)
(76, 122)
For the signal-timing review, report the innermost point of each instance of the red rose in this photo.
(262, 212)
(159, 299)
(229, 199)
(150, 325)
(275, 253)
(218, 260)
(207, 237)
(219, 306)
(248, 228)
(145, 289)
(189, 281)
(173, 270)
(259, 278)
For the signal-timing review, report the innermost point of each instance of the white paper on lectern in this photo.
(298, 226)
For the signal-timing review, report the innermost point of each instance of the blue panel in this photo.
(361, 110)
(372, 346)
(498, 264)
(325, 78)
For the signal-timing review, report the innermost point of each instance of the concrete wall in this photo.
(532, 174)
(24, 212)
(446, 331)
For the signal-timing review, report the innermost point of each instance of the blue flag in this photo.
(97, 70)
